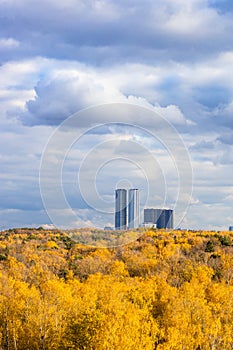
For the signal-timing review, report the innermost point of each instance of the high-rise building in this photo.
(152, 215)
(162, 218)
(169, 218)
(120, 209)
(133, 208)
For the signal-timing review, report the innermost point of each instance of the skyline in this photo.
(130, 215)
(171, 57)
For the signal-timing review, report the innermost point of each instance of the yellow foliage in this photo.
(164, 291)
(51, 244)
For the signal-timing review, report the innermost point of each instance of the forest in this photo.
(166, 290)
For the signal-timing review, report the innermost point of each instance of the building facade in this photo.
(162, 218)
(152, 216)
(120, 209)
(133, 208)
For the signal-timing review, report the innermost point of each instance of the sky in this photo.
(150, 87)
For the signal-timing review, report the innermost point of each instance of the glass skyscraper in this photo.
(127, 212)
(133, 208)
(120, 209)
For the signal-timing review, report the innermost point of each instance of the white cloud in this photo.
(65, 91)
(8, 43)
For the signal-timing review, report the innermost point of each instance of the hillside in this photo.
(165, 290)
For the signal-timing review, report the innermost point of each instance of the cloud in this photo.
(64, 95)
(107, 31)
(190, 97)
(174, 57)
(223, 6)
(8, 43)
(223, 115)
(68, 91)
(10, 218)
(226, 139)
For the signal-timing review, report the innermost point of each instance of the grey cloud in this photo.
(213, 95)
(115, 31)
(203, 145)
(224, 116)
(227, 138)
(215, 152)
(225, 159)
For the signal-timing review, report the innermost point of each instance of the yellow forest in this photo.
(164, 291)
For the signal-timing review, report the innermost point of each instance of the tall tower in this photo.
(120, 209)
(133, 208)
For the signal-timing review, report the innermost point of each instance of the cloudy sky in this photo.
(170, 57)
